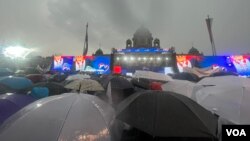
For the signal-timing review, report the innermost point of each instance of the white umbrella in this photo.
(225, 80)
(182, 87)
(152, 75)
(85, 85)
(78, 77)
(67, 117)
(230, 102)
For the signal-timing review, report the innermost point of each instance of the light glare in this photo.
(16, 52)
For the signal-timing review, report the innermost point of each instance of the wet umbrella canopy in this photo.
(65, 117)
(54, 88)
(5, 72)
(165, 114)
(4, 89)
(16, 83)
(85, 85)
(11, 103)
(119, 89)
(230, 102)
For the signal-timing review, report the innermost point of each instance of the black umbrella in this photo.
(119, 88)
(169, 115)
(104, 80)
(121, 83)
(186, 76)
(141, 83)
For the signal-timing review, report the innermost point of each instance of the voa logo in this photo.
(236, 132)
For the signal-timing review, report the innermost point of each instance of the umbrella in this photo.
(27, 71)
(230, 102)
(104, 81)
(11, 103)
(16, 83)
(35, 78)
(78, 77)
(166, 114)
(39, 92)
(225, 81)
(182, 87)
(54, 88)
(118, 89)
(58, 77)
(4, 89)
(152, 75)
(20, 73)
(141, 83)
(120, 83)
(67, 117)
(84, 85)
(31, 70)
(186, 76)
(5, 72)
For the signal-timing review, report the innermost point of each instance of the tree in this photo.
(99, 52)
(113, 50)
(194, 51)
(172, 49)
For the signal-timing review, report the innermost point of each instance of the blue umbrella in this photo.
(11, 103)
(16, 83)
(5, 72)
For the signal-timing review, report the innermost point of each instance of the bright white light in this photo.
(132, 58)
(38, 104)
(9, 93)
(139, 58)
(158, 58)
(144, 58)
(151, 58)
(125, 58)
(167, 58)
(117, 58)
(16, 52)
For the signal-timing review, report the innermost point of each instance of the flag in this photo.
(85, 49)
(209, 27)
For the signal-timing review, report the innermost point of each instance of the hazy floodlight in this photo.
(16, 52)
(125, 58)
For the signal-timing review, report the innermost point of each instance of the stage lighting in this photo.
(167, 58)
(132, 58)
(158, 58)
(125, 58)
(151, 58)
(118, 58)
(139, 58)
(144, 58)
(16, 52)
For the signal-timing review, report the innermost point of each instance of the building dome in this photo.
(142, 37)
(142, 31)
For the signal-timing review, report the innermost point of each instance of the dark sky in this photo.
(58, 26)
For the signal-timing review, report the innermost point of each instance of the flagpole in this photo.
(209, 27)
(85, 49)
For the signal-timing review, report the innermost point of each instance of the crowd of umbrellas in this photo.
(149, 106)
